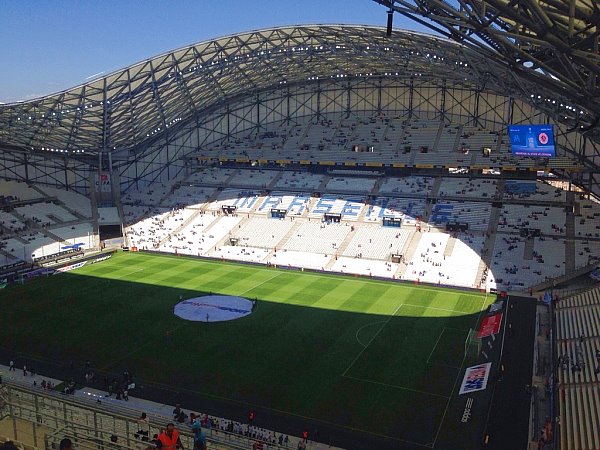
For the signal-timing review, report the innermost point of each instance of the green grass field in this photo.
(367, 355)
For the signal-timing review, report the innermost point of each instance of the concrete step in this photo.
(450, 246)
(528, 249)
(409, 251)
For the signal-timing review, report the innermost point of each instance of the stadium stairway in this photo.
(450, 246)
(408, 254)
(341, 249)
(570, 234)
(490, 241)
(473, 160)
(309, 207)
(386, 131)
(376, 187)
(275, 180)
(500, 188)
(291, 232)
(323, 184)
(118, 201)
(213, 198)
(363, 211)
(413, 156)
(459, 131)
(305, 133)
(435, 189)
(94, 206)
(438, 136)
(401, 139)
(528, 249)
(257, 203)
(210, 226)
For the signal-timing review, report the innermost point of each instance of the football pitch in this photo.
(364, 355)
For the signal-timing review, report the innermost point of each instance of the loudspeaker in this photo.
(390, 20)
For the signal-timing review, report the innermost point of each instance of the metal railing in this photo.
(99, 425)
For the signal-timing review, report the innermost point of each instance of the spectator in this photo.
(8, 445)
(199, 437)
(66, 444)
(176, 411)
(169, 439)
(143, 432)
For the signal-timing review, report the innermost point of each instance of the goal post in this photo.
(472, 344)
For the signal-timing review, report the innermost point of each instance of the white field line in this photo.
(261, 283)
(365, 326)
(139, 269)
(372, 339)
(394, 386)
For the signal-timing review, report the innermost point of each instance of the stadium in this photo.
(314, 236)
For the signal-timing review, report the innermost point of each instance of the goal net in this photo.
(472, 344)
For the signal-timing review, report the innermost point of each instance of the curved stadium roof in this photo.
(130, 108)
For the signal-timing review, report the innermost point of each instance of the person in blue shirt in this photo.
(199, 437)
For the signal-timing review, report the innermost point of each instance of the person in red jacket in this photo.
(169, 439)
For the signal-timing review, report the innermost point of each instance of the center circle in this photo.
(213, 308)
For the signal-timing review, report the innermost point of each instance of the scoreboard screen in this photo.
(532, 140)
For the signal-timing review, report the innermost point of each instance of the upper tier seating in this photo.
(587, 222)
(476, 214)
(192, 196)
(253, 178)
(299, 181)
(548, 219)
(210, 176)
(407, 185)
(463, 187)
(358, 185)
(147, 195)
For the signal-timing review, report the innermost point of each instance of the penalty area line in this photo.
(435, 345)
(394, 386)
(384, 323)
(439, 309)
(365, 326)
